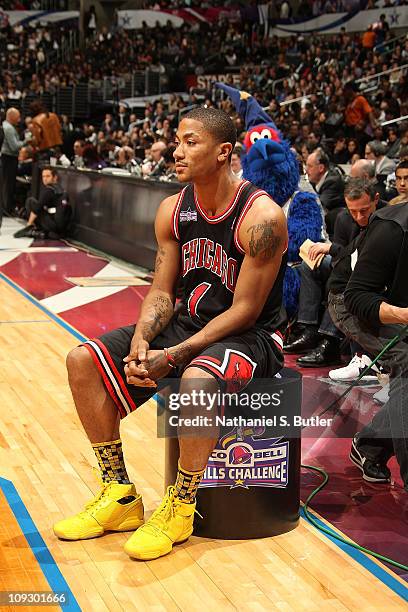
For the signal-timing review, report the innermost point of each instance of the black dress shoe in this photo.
(24, 232)
(307, 340)
(326, 353)
(375, 472)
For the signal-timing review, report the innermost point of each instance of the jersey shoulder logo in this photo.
(188, 215)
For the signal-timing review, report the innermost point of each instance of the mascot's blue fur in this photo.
(272, 165)
(305, 220)
(279, 179)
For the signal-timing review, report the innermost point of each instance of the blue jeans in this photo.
(311, 296)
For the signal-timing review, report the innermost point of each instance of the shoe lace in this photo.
(355, 361)
(165, 512)
(97, 501)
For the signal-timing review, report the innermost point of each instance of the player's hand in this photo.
(138, 350)
(156, 364)
(136, 373)
(321, 248)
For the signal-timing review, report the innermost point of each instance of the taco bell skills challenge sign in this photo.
(242, 459)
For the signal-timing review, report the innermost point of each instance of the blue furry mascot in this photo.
(270, 164)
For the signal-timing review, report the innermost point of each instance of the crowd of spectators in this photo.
(195, 49)
(144, 147)
(314, 72)
(23, 57)
(328, 111)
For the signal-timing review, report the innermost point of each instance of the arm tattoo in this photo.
(183, 353)
(160, 311)
(264, 240)
(159, 258)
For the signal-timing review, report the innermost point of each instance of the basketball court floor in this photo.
(46, 471)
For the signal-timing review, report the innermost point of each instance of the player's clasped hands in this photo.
(143, 366)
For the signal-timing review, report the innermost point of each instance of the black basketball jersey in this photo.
(211, 257)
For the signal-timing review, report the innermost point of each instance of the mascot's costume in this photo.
(271, 165)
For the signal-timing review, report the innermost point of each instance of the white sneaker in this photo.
(353, 370)
(382, 396)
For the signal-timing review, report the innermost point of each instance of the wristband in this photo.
(170, 359)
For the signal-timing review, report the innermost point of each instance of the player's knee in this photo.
(196, 374)
(196, 379)
(201, 387)
(79, 362)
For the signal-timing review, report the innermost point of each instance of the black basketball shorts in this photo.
(252, 354)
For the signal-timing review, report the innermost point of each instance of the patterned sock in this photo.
(111, 462)
(187, 484)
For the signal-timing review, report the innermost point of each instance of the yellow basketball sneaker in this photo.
(117, 507)
(170, 524)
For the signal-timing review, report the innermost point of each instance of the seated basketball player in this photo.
(228, 240)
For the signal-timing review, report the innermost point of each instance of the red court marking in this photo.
(100, 316)
(42, 274)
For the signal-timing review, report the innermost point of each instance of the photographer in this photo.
(50, 215)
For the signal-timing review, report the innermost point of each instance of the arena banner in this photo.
(205, 81)
(331, 23)
(352, 21)
(25, 17)
(133, 19)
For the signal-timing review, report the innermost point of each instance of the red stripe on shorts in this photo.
(106, 380)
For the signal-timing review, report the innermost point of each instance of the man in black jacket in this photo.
(328, 184)
(321, 347)
(50, 215)
(377, 299)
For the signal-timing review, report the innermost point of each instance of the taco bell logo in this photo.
(248, 463)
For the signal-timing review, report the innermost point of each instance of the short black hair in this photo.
(216, 122)
(50, 169)
(402, 166)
